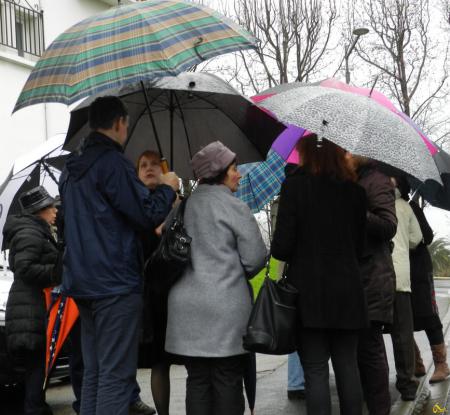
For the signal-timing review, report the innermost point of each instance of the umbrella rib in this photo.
(184, 125)
(133, 128)
(43, 157)
(44, 165)
(152, 120)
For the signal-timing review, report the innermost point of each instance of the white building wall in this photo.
(30, 126)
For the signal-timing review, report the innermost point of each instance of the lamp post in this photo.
(361, 31)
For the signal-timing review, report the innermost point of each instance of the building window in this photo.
(21, 28)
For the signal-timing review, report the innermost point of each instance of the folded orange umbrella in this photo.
(62, 315)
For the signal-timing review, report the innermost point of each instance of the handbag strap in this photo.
(285, 267)
(180, 211)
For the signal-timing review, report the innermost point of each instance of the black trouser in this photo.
(374, 370)
(34, 403)
(316, 348)
(403, 343)
(214, 386)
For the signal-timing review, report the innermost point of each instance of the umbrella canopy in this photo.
(126, 44)
(188, 112)
(261, 182)
(44, 169)
(359, 124)
(432, 192)
(284, 145)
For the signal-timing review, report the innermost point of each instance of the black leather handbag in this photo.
(167, 263)
(271, 327)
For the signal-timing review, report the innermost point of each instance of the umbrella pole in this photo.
(184, 126)
(171, 110)
(152, 120)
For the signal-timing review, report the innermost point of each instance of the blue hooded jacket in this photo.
(105, 206)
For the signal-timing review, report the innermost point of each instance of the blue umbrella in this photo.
(261, 182)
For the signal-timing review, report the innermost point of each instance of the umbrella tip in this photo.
(373, 86)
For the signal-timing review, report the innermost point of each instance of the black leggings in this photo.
(435, 335)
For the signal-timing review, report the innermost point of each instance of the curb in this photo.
(418, 406)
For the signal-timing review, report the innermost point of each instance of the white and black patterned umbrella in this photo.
(42, 166)
(358, 124)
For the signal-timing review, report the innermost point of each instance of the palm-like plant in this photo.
(440, 256)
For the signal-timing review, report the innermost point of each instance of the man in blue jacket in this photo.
(105, 206)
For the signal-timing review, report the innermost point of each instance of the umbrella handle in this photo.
(164, 165)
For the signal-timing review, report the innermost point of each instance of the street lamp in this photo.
(361, 31)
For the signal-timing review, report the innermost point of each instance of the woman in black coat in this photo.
(34, 258)
(320, 232)
(151, 349)
(425, 311)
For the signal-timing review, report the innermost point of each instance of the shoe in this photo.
(296, 395)
(46, 410)
(441, 370)
(419, 370)
(407, 389)
(141, 408)
(408, 396)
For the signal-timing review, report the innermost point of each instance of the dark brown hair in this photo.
(219, 179)
(148, 154)
(104, 111)
(324, 158)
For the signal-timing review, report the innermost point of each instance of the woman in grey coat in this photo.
(209, 306)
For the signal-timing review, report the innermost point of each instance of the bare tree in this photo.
(412, 66)
(446, 10)
(294, 36)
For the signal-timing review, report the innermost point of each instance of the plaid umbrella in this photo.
(127, 44)
(261, 182)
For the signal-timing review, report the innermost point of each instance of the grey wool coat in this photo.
(209, 307)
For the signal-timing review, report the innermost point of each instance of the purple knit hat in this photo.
(212, 160)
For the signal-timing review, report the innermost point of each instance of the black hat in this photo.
(35, 200)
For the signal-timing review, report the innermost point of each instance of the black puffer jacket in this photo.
(377, 268)
(34, 259)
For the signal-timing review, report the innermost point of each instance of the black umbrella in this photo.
(179, 115)
(438, 195)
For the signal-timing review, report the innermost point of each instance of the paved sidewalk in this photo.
(271, 398)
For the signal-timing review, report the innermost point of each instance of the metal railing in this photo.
(21, 28)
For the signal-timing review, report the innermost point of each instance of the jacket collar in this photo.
(96, 138)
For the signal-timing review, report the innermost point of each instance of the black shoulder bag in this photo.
(168, 262)
(271, 327)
